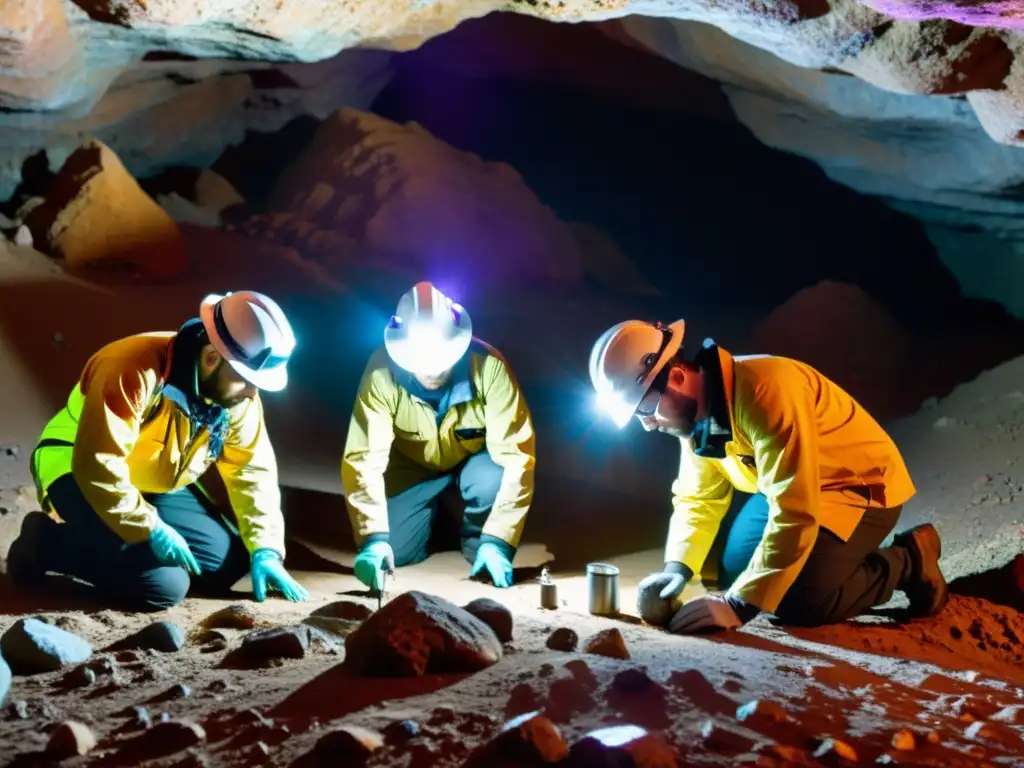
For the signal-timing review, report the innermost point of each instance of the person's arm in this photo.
(701, 495)
(781, 424)
(248, 467)
(371, 432)
(512, 446)
(116, 393)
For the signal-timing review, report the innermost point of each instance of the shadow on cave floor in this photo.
(998, 586)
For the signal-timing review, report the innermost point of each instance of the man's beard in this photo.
(210, 391)
(687, 420)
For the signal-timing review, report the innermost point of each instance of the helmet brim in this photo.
(412, 356)
(270, 380)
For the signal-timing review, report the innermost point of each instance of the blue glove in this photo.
(375, 557)
(490, 556)
(171, 549)
(267, 570)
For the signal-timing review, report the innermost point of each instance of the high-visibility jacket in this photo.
(798, 438)
(123, 436)
(487, 411)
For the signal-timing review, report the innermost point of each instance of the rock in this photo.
(452, 207)
(31, 645)
(5, 681)
(176, 691)
(622, 745)
(522, 699)
(401, 731)
(344, 609)
(80, 677)
(649, 604)
(718, 737)
(140, 717)
(19, 709)
(904, 740)
(997, 732)
(832, 749)
(1013, 714)
(762, 712)
(23, 237)
(164, 636)
(339, 628)
(96, 213)
(582, 673)
(104, 665)
(566, 697)
(214, 192)
(169, 736)
(607, 642)
(528, 739)
(493, 614)
(232, 617)
(417, 633)
(348, 741)
(632, 681)
(70, 739)
(276, 643)
(563, 639)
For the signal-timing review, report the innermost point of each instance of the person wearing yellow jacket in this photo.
(437, 408)
(120, 464)
(820, 486)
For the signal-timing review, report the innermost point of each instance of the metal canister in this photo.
(603, 589)
(548, 591)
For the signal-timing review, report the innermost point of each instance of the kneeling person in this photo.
(120, 464)
(435, 408)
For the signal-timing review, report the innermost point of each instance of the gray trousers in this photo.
(840, 579)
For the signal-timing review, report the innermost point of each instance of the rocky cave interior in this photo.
(836, 181)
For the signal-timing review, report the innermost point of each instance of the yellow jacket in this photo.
(122, 436)
(804, 443)
(486, 412)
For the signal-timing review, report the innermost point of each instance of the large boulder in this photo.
(416, 634)
(397, 195)
(96, 213)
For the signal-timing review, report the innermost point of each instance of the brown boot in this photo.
(926, 588)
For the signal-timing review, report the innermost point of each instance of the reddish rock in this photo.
(566, 697)
(531, 739)
(833, 750)
(70, 739)
(172, 736)
(563, 639)
(349, 741)
(232, 617)
(622, 745)
(607, 642)
(578, 669)
(417, 633)
(762, 712)
(718, 737)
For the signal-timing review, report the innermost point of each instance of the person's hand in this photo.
(267, 570)
(375, 557)
(711, 613)
(655, 596)
(171, 548)
(490, 556)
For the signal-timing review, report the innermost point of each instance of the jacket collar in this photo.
(461, 389)
(713, 432)
(181, 383)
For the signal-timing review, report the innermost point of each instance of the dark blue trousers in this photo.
(840, 579)
(129, 575)
(412, 513)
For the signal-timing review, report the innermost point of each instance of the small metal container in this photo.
(548, 591)
(603, 589)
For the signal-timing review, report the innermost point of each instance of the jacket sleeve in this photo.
(371, 432)
(701, 495)
(781, 424)
(512, 446)
(248, 467)
(116, 393)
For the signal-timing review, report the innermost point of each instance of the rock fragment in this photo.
(493, 614)
(718, 737)
(904, 740)
(762, 712)
(163, 636)
(276, 643)
(348, 741)
(70, 739)
(417, 633)
(622, 745)
(530, 738)
(232, 617)
(582, 673)
(609, 643)
(563, 639)
(344, 609)
(401, 731)
(169, 736)
(31, 645)
(832, 750)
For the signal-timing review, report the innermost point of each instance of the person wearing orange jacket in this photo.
(820, 486)
(121, 464)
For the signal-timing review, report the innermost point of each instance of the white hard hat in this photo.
(627, 359)
(429, 333)
(251, 332)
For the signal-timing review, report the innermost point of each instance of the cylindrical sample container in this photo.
(603, 589)
(548, 591)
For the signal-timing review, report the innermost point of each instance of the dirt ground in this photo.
(945, 691)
